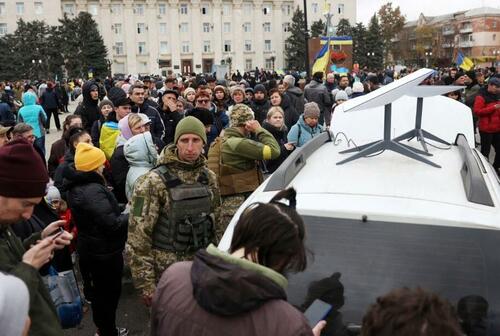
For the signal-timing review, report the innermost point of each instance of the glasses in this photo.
(202, 101)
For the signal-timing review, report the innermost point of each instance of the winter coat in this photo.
(317, 92)
(33, 114)
(119, 171)
(301, 133)
(102, 230)
(280, 134)
(484, 108)
(141, 154)
(260, 109)
(291, 114)
(88, 109)
(44, 320)
(49, 100)
(218, 294)
(95, 131)
(157, 127)
(65, 169)
(296, 99)
(170, 121)
(57, 151)
(221, 121)
(7, 118)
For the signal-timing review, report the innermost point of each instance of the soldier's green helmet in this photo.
(240, 114)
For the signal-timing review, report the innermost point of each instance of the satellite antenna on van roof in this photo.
(420, 92)
(385, 96)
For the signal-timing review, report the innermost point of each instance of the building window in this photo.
(162, 9)
(314, 7)
(340, 8)
(267, 27)
(184, 27)
(269, 64)
(248, 64)
(139, 9)
(163, 47)
(119, 48)
(227, 46)
(2, 8)
(286, 27)
(184, 9)
(266, 9)
(204, 10)
(38, 8)
(226, 9)
(185, 47)
(247, 8)
(93, 9)
(141, 48)
(3, 29)
(116, 8)
(267, 45)
(141, 28)
(247, 27)
(118, 28)
(494, 24)
(162, 29)
(286, 10)
(69, 9)
(248, 45)
(206, 27)
(494, 37)
(206, 47)
(19, 8)
(227, 27)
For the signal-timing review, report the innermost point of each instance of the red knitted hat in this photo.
(22, 171)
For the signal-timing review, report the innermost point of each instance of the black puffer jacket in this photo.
(102, 230)
(260, 109)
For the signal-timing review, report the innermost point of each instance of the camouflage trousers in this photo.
(230, 204)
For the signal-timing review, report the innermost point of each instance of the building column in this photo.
(196, 40)
(175, 44)
(153, 41)
(81, 6)
(217, 31)
(277, 39)
(258, 35)
(237, 45)
(130, 42)
(106, 31)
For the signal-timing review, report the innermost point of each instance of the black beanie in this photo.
(22, 172)
(260, 88)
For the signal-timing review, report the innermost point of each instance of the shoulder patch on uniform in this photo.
(138, 206)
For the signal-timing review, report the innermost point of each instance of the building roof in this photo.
(490, 11)
(482, 11)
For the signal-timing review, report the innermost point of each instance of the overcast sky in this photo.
(412, 8)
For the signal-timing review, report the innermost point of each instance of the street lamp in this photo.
(427, 55)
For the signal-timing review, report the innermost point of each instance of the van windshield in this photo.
(355, 262)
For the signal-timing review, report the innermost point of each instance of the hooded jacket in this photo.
(33, 114)
(218, 294)
(484, 108)
(102, 230)
(88, 109)
(141, 155)
(301, 133)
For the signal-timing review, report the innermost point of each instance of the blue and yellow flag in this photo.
(322, 58)
(464, 62)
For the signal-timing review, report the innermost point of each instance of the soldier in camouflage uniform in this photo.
(175, 209)
(234, 156)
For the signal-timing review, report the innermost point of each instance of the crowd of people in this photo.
(155, 172)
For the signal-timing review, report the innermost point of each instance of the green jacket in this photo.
(240, 152)
(42, 312)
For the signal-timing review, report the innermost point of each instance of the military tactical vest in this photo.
(231, 180)
(189, 223)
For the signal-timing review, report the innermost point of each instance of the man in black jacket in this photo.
(88, 109)
(295, 93)
(169, 114)
(260, 104)
(317, 92)
(137, 96)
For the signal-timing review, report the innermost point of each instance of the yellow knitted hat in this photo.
(88, 157)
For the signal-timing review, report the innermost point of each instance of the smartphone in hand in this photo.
(317, 311)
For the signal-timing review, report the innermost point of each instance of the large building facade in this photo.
(164, 36)
(436, 40)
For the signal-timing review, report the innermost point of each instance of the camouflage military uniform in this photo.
(241, 153)
(150, 195)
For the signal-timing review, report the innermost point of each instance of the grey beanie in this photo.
(311, 110)
(14, 304)
(341, 95)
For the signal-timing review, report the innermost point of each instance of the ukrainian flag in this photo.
(464, 62)
(322, 58)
